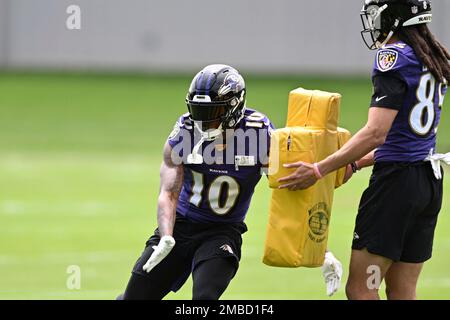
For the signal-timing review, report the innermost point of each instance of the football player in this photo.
(212, 162)
(398, 212)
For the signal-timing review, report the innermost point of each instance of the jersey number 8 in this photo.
(423, 115)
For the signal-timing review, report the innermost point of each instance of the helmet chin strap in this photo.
(389, 36)
(379, 12)
(195, 157)
(242, 114)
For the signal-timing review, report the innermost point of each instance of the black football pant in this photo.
(210, 279)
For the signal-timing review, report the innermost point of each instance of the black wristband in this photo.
(354, 167)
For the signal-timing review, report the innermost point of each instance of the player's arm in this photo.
(387, 100)
(367, 161)
(371, 136)
(364, 142)
(171, 176)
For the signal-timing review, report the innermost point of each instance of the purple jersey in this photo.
(220, 191)
(403, 83)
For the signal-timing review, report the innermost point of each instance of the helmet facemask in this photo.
(373, 34)
(212, 117)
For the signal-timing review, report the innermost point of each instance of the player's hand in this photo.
(161, 251)
(348, 173)
(332, 273)
(302, 178)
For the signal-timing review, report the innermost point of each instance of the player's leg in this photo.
(401, 280)
(144, 288)
(156, 284)
(366, 273)
(173, 270)
(212, 277)
(216, 260)
(120, 297)
(385, 214)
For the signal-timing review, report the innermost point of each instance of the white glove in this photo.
(332, 273)
(436, 160)
(161, 251)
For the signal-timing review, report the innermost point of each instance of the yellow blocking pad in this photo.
(297, 231)
(313, 108)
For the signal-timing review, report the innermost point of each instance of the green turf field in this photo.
(79, 162)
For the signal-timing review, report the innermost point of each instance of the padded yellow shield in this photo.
(297, 231)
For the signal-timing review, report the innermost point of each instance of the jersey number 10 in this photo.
(215, 193)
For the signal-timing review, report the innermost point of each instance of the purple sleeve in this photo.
(269, 134)
(392, 60)
(175, 136)
(179, 133)
(269, 127)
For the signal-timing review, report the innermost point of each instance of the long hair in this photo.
(428, 49)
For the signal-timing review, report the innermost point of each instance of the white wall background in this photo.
(182, 35)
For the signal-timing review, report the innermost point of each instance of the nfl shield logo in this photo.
(386, 59)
